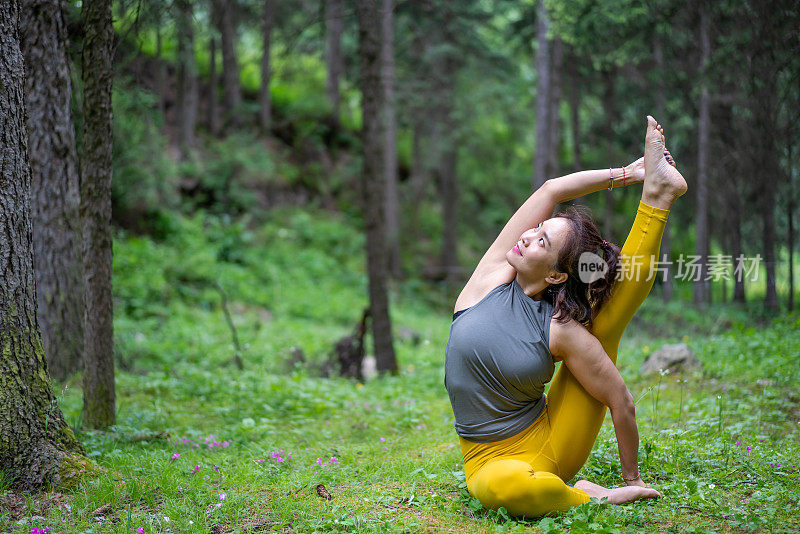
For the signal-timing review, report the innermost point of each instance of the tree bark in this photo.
(790, 247)
(390, 140)
(213, 87)
(98, 378)
(161, 77)
(34, 438)
(575, 117)
(264, 95)
(554, 103)
(374, 187)
(610, 104)
(187, 77)
(702, 293)
(542, 96)
(334, 25)
(666, 241)
(54, 185)
(448, 187)
(232, 97)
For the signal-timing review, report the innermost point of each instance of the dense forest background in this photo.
(483, 100)
(290, 185)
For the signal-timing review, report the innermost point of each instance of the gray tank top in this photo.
(497, 363)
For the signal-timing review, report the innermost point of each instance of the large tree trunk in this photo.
(33, 435)
(54, 185)
(213, 85)
(390, 140)
(735, 236)
(702, 293)
(334, 25)
(187, 77)
(448, 189)
(232, 97)
(374, 187)
(666, 241)
(264, 95)
(98, 378)
(161, 77)
(610, 104)
(790, 247)
(542, 96)
(574, 113)
(554, 103)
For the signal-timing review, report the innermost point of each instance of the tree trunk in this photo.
(187, 77)
(542, 96)
(448, 186)
(334, 25)
(702, 294)
(610, 104)
(575, 117)
(264, 95)
(735, 235)
(790, 247)
(553, 116)
(390, 137)
(34, 439)
(666, 241)
(161, 77)
(213, 86)
(374, 187)
(98, 378)
(232, 97)
(54, 185)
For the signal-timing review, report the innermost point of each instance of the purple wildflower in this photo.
(140, 530)
(176, 456)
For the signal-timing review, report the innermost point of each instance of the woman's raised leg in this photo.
(576, 416)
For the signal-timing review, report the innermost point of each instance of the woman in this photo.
(528, 305)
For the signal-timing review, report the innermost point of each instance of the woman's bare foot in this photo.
(622, 495)
(663, 184)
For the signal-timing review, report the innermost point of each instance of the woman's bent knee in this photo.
(513, 485)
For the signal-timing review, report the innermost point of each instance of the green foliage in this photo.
(145, 178)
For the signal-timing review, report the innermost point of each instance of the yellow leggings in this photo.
(525, 473)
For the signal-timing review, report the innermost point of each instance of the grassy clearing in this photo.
(245, 451)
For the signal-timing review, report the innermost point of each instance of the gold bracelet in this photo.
(610, 179)
(632, 478)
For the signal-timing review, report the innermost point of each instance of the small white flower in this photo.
(191, 522)
(166, 519)
(711, 486)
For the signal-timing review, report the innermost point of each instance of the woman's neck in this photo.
(534, 290)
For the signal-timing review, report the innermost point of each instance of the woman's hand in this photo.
(634, 173)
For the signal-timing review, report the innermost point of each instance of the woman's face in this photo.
(536, 252)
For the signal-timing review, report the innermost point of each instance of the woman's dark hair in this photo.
(573, 298)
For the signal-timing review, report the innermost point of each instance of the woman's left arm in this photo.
(583, 354)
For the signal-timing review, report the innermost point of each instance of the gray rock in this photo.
(369, 367)
(674, 358)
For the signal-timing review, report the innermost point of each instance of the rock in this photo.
(369, 367)
(674, 358)
(407, 335)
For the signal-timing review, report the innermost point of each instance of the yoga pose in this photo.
(528, 305)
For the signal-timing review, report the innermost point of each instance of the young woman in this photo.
(528, 305)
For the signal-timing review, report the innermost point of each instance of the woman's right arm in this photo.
(493, 269)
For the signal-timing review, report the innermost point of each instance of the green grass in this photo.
(297, 280)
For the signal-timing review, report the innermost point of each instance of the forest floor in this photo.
(201, 446)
